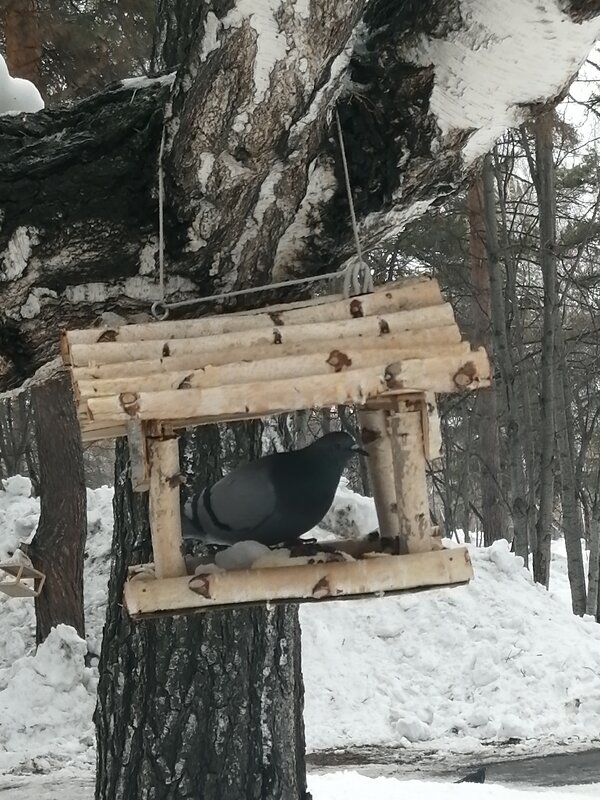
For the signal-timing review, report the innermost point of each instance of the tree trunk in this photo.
(58, 546)
(571, 521)
(349, 423)
(505, 363)
(544, 182)
(465, 489)
(203, 706)
(593, 596)
(301, 432)
(520, 383)
(446, 490)
(593, 568)
(253, 177)
(22, 38)
(488, 445)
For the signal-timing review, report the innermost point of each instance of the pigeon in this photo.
(275, 499)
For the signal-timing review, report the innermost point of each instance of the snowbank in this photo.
(47, 698)
(452, 668)
(446, 669)
(46, 701)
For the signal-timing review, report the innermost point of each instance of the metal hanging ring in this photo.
(159, 311)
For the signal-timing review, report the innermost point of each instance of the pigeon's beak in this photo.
(358, 449)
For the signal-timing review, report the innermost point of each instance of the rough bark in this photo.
(504, 360)
(581, 10)
(493, 515)
(252, 164)
(571, 520)
(75, 189)
(544, 182)
(591, 509)
(520, 381)
(593, 569)
(58, 546)
(205, 706)
(21, 26)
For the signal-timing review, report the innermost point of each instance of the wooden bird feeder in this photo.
(387, 352)
(21, 580)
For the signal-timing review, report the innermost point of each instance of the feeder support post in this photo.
(410, 476)
(165, 510)
(375, 438)
(138, 456)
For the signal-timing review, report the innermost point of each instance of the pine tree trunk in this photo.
(514, 422)
(206, 706)
(465, 484)
(593, 568)
(593, 595)
(570, 511)
(521, 431)
(22, 37)
(544, 181)
(447, 490)
(58, 546)
(493, 514)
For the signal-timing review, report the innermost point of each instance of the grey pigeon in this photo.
(274, 499)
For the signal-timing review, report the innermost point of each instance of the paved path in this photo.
(551, 770)
(557, 770)
(47, 787)
(548, 770)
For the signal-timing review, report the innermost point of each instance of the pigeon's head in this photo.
(338, 445)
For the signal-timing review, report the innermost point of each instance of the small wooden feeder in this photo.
(20, 580)
(387, 352)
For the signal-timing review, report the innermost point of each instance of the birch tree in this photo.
(253, 193)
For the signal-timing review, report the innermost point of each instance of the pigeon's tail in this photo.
(474, 777)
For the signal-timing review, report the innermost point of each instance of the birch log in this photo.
(269, 396)
(411, 478)
(433, 439)
(138, 456)
(442, 374)
(412, 294)
(335, 580)
(253, 399)
(413, 344)
(111, 352)
(375, 437)
(165, 512)
(436, 371)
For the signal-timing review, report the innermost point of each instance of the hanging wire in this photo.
(351, 274)
(255, 289)
(160, 310)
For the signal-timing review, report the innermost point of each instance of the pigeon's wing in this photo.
(244, 499)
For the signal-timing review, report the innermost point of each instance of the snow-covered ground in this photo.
(450, 670)
(351, 786)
